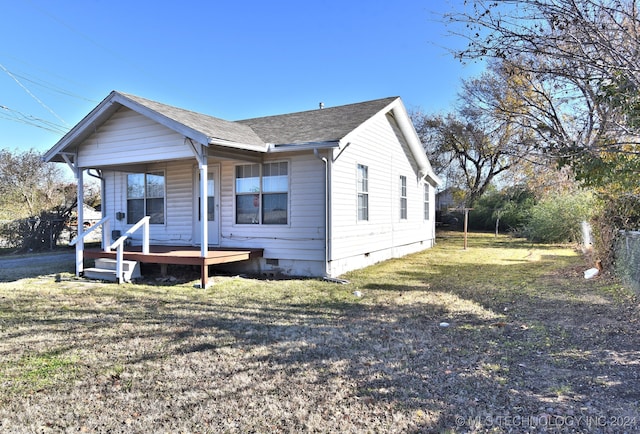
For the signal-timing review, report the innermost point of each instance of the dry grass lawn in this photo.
(531, 346)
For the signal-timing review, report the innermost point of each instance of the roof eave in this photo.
(236, 145)
(103, 111)
(399, 113)
(348, 137)
(79, 131)
(306, 146)
(402, 118)
(162, 119)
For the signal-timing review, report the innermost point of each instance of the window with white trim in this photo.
(262, 193)
(145, 197)
(426, 201)
(363, 192)
(403, 197)
(275, 193)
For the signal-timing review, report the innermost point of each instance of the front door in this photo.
(213, 205)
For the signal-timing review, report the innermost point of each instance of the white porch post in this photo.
(201, 153)
(80, 214)
(204, 235)
(106, 227)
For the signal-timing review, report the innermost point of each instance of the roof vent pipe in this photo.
(321, 105)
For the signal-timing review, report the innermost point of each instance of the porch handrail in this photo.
(84, 234)
(119, 244)
(79, 241)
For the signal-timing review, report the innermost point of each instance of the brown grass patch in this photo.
(530, 344)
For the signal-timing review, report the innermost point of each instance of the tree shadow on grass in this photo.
(554, 353)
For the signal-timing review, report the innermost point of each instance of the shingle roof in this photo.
(208, 125)
(321, 125)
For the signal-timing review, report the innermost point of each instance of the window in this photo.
(145, 197)
(275, 187)
(262, 193)
(211, 198)
(248, 193)
(403, 197)
(363, 192)
(426, 201)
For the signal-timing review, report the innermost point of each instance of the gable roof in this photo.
(320, 125)
(199, 127)
(211, 127)
(316, 127)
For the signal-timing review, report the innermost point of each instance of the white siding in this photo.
(302, 239)
(178, 226)
(297, 248)
(355, 243)
(180, 202)
(128, 137)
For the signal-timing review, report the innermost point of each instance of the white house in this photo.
(314, 193)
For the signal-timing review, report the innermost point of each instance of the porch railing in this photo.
(79, 241)
(119, 244)
(82, 235)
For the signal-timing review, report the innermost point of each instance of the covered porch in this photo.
(181, 255)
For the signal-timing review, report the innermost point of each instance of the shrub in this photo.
(36, 233)
(510, 206)
(558, 218)
(614, 213)
(10, 234)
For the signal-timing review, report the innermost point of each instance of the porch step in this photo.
(100, 274)
(105, 269)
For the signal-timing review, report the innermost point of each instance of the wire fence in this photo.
(627, 253)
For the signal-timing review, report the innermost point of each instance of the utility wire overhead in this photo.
(34, 77)
(17, 116)
(114, 53)
(49, 109)
(51, 87)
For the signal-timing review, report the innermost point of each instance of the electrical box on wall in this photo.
(119, 215)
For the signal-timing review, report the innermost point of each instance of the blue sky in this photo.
(233, 60)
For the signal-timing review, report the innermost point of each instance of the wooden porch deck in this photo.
(181, 255)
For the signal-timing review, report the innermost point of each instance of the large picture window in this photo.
(262, 193)
(145, 197)
(363, 192)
